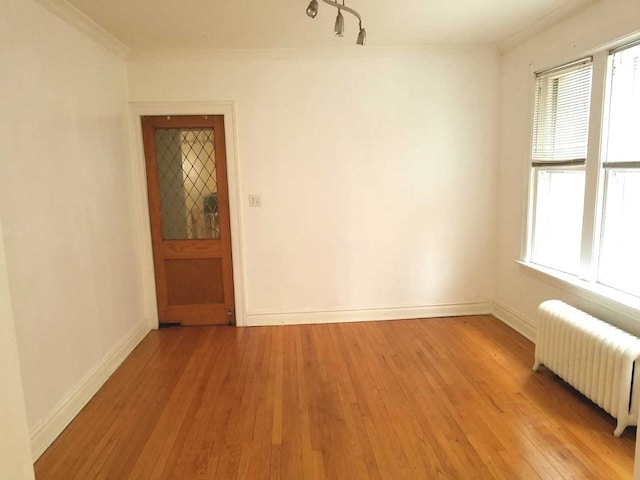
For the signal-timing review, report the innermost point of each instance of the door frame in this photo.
(139, 176)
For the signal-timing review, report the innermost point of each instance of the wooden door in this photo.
(189, 211)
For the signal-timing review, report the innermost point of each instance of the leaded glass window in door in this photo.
(188, 183)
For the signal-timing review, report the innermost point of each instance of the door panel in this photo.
(185, 285)
(189, 211)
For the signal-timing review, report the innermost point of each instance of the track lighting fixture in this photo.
(312, 11)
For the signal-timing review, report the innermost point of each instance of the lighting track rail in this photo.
(312, 11)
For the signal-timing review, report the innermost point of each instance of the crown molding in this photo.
(320, 53)
(81, 22)
(564, 11)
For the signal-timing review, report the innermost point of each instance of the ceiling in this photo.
(151, 25)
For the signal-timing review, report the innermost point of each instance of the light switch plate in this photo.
(255, 200)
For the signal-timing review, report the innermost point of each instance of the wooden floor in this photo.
(447, 398)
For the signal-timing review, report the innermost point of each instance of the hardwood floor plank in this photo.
(143, 409)
(89, 426)
(450, 398)
(162, 442)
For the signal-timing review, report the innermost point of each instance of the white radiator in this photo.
(594, 357)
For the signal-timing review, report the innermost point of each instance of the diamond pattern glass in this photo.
(188, 183)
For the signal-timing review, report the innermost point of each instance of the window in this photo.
(619, 262)
(559, 153)
(585, 200)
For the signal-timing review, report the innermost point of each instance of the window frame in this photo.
(585, 282)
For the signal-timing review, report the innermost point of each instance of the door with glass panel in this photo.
(189, 213)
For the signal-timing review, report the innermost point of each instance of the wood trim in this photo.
(562, 12)
(227, 109)
(185, 121)
(154, 213)
(626, 306)
(81, 22)
(518, 322)
(173, 249)
(223, 199)
(367, 314)
(44, 433)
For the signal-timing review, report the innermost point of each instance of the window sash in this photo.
(542, 254)
(607, 260)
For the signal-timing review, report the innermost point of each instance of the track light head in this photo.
(339, 26)
(312, 9)
(362, 37)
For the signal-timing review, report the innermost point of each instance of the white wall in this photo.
(376, 170)
(517, 291)
(66, 206)
(15, 451)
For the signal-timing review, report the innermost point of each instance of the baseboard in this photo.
(515, 320)
(46, 431)
(367, 314)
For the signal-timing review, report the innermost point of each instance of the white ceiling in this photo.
(148, 25)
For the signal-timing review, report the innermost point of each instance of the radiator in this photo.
(594, 357)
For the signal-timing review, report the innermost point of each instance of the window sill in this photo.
(610, 298)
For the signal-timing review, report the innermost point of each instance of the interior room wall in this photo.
(376, 169)
(67, 211)
(518, 293)
(15, 450)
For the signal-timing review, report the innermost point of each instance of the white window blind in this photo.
(623, 142)
(561, 115)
